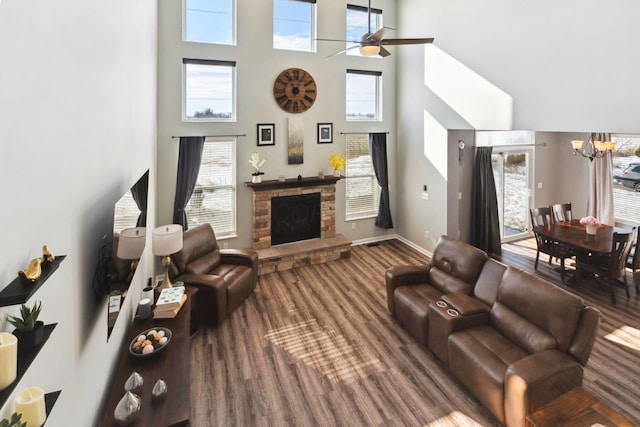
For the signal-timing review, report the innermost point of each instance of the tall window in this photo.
(357, 25)
(362, 189)
(294, 25)
(209, 21)
(363, 95)
(209, 90)
(626, 177)
(214, 196)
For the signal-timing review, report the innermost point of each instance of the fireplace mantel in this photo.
(310, 181)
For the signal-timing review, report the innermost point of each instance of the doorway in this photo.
(512, 172)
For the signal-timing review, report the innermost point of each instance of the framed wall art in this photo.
(325, 133)
(266, 134)
(295, 152)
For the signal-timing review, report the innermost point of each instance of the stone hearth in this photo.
(328, 247)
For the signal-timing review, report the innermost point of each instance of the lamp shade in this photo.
(167, 239)
(369, 50)
(131, 243)
(577, 144)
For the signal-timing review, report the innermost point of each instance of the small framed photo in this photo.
(325, 133)
(266, 134)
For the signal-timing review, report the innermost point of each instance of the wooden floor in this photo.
(317, 346)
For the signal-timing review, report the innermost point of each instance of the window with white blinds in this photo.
(362, 191)
(214, 197)
(626, 197)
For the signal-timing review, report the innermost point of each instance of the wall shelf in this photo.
(24, 361)
(19, 292)
(50, 400)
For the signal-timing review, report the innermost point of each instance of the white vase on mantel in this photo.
(336, 172)
(256, 179)
(591, 229)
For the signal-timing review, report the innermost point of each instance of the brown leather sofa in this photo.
(224, 277)
(514, 340)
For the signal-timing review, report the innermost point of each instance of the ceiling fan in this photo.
(372, 44)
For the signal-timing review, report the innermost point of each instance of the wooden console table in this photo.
(171, 365)
(577, 408)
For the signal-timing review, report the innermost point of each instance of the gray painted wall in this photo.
(78, 108)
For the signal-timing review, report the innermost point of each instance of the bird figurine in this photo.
(47, 256)
(33, 271)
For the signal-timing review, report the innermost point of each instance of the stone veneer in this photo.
(290, 255)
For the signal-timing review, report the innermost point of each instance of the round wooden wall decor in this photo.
(294, 90)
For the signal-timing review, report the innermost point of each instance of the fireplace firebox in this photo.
(295, 218)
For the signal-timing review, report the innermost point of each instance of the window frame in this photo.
(313, 25)
(231, 233)
(377, 94)
(619, 189)
(377, 13)
(215, 63)
(234, 23)
(373, 211)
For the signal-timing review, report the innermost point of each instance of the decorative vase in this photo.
(256, 179)
(591, 229)
(336, 172)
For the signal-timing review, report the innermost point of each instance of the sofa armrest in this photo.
(212, 296)
(536, 380)
(465, 304)
(401, 275)
(246, 257)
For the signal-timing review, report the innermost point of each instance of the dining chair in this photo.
(610, 267)
(561, 212)
(542, 217)
(633, 261)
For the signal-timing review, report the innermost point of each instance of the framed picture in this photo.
(266, 134)
(295, 152)
(325, 133)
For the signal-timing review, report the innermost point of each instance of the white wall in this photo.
(77, 127)
(539, 66)
(258, 64)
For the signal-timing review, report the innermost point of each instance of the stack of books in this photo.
(169, 303)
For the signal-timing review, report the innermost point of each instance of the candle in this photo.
(8, 359)
(30, 403)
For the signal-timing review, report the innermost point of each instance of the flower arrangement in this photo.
(257, 163)
(336, 160)
(589, 220)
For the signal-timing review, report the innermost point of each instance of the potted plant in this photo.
(337, 161)
(257, 163)
(15, 421)
(29, 330)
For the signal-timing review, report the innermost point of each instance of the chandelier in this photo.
(598, 145)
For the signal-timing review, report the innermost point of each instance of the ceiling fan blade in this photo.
(378, 35)
(338, 40)
(394, 42)
(343, 51)
(384, 52)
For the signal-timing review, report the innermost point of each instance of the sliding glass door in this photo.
(512, 173)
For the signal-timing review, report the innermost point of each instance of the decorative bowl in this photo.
(155, 341)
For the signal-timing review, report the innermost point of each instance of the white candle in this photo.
(8, 359)
(30, 403)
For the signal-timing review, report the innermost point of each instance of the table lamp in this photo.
(166, 241)
(131, 244)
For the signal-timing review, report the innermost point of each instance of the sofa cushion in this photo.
(412, 308)
(239, 279)
(486, 289)
(455, 266)
(200, 248)
(545, 305)
(519, 330)
(479, 358)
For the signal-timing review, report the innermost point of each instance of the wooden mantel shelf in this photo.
(310, 181)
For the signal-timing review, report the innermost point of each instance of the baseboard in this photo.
(391, 237)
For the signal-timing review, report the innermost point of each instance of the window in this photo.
(357, 25)
(363, 95)
(214, 196)
(626, 177)
(294, 25)
(361, 187)
(209, 21)
(209, 90)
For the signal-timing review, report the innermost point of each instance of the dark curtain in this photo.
(140, 193)
(485, 223)
(188, 168)
(378, 145)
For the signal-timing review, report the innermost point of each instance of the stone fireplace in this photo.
(300, 199)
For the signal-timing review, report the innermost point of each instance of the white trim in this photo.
(391, 237)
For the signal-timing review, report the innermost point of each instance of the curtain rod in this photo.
(541, 144)
(211, 136)
(358, 133)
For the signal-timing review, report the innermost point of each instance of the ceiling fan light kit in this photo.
(369, 49)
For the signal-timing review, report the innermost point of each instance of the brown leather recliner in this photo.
(224, 277)
(454, 267)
